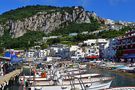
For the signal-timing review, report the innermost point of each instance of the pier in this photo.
(4, 80)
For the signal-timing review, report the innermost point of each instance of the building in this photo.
(37, 53)
(109, 22)
(126, 47)
(109, 50)
(115, 27)
(59, 50)
(94, 48)
(74, 48)
(76, 52)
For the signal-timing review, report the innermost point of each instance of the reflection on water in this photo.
(122, 81)
(118, 81)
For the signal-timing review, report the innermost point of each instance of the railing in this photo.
(9, 76)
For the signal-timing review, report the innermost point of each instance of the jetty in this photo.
(4, 80)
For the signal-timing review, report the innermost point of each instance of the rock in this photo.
(48, 22)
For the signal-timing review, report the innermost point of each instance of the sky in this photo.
(111, 9)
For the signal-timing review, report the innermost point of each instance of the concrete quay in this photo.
(4, 80)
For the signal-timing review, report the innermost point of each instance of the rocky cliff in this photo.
(47, 22)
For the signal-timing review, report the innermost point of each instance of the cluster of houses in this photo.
(116, 25)
(90, 49)
(111, 49)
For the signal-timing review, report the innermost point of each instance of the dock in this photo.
(4, 80)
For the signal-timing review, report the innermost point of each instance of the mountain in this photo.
(43, 18)
(25, 27)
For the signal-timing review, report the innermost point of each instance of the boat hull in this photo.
(88, 86)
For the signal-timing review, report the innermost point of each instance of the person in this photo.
(2, 73)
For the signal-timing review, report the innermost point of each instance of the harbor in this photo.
(63, 67)
(119, 81)
(67, 45)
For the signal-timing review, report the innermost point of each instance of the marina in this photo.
(66, 76)
(40, 71)
(119, 81)
(65, 45)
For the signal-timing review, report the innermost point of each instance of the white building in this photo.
(95, 47)
(78, 53)
(37, 53)
(43, 53)
(60, 51)
(74, 48)
(91, 49)
(30, 54)
(95, 42)
(115, 27)
(109, 22)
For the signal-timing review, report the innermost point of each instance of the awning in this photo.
(15, 59)
(92, 57)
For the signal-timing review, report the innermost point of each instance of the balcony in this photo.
(129, 51)
(126, 37)
(130, 32)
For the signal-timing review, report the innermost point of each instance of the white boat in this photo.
(73, 71)
(77, 84)
(68, 79)
(39, 78)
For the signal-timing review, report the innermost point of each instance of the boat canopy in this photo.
(15, 59)
(7, 54)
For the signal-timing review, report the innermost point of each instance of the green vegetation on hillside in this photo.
(71, 40)
(24, 12)
(31, 37)
(113, 33)
(77, 28)
(25, 41)
(28, 11)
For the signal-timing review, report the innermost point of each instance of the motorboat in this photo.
(73, 84)
(67, 78)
